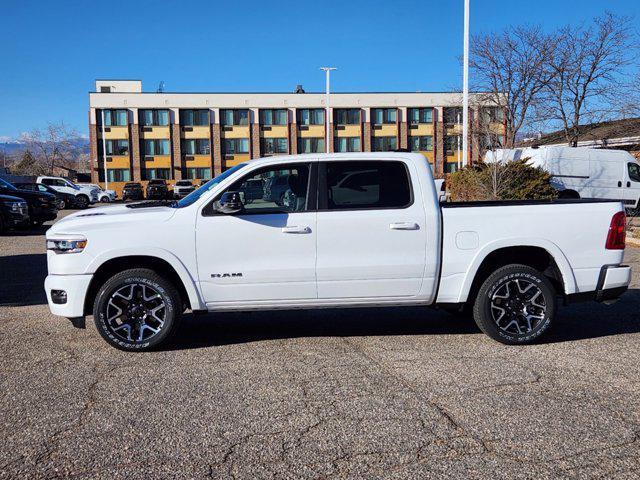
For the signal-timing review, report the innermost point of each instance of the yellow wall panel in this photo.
(236, 160)
(116, 133)
(313, 131)
(428, 156)
(198, 132)
(349, 131)
(199, 161)
(159, 161)
(119, 161)
(236, 132)
(385, 131)
(421, 130)
(277, 131)
(156, 132)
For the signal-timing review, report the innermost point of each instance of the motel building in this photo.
(196, 136)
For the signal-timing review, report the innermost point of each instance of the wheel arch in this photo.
(172, 269)
(539, 254)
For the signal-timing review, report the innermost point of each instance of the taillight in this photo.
(617, 232)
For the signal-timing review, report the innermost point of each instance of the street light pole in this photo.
(465, 87)
(104, 153)
(327, 71)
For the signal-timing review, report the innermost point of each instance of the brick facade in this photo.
(366, 135)
(439, 154)
(177, 163)
(404, 135)
(293, 138)
(134, 152)
(93, 152)
(255, 140)
(216, 149)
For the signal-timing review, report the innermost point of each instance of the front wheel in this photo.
(515, 305)
(137, 310)
(104, 200)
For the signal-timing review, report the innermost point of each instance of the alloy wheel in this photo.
(518, 306)
(135, 312)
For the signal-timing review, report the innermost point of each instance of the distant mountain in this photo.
(11, 147)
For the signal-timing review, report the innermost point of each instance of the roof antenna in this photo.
(160, 87)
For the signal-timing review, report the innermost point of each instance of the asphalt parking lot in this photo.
(375, 393)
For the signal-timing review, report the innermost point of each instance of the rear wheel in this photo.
(568, 194)
(104, 199)
(515, 305)
(137, 310)
(82, 201)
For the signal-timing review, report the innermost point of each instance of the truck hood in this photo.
(107, 217)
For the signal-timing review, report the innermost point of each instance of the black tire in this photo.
(524, 314)
(568, 194)
(82, 201)
(104, 200)
(113, 327)
(3, 227)
(62, 204)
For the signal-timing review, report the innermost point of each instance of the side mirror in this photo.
(229, 203)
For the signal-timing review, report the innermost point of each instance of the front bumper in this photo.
(21, 217)
(75, 286)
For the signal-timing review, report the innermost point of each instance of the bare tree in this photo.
(585, 73)
(512, 69)
(55, 147)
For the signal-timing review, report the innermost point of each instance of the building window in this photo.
(273, 116)
(452, 115)
(384, 115)
(114, 147)
(420, 115)
(491, 141)
(154, 118)
(270, 146)
(311, 145)
(421, 143)
(234, 117)
(114, 118)
(233, 146)
(191, 118)
(491, 115)
(365, 185)
(198, 173)
(346, 144)
(311, 116)
(346, 116)
(156, 147)
(385, 144)
(154, 173)
(196, 146)
(115, 175)
(452, 144)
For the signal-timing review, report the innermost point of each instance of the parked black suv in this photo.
(42, 206)
(64, 200)
(132, 191)
(157, 190)
(13, 211)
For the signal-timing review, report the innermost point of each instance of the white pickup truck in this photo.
(354, 229)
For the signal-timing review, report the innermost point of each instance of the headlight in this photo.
(67, 245)
(16, 206)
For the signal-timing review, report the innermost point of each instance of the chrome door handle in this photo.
(404, 226)
(296, 229)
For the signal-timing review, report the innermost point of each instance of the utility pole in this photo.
(104, 153)
(465, 87)
(327, 71)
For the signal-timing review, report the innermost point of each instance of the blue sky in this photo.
(51, 51)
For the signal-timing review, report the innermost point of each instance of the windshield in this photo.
(72, 185)
(196, 194)
(6, 184)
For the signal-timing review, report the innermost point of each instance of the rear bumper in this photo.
(613, 281)
(75, 286)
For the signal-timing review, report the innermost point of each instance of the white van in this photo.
(583, 172)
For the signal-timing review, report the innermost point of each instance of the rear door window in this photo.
(366, 185)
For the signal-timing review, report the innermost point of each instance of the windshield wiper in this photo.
(154, 203)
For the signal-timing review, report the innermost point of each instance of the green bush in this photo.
(515, 180)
